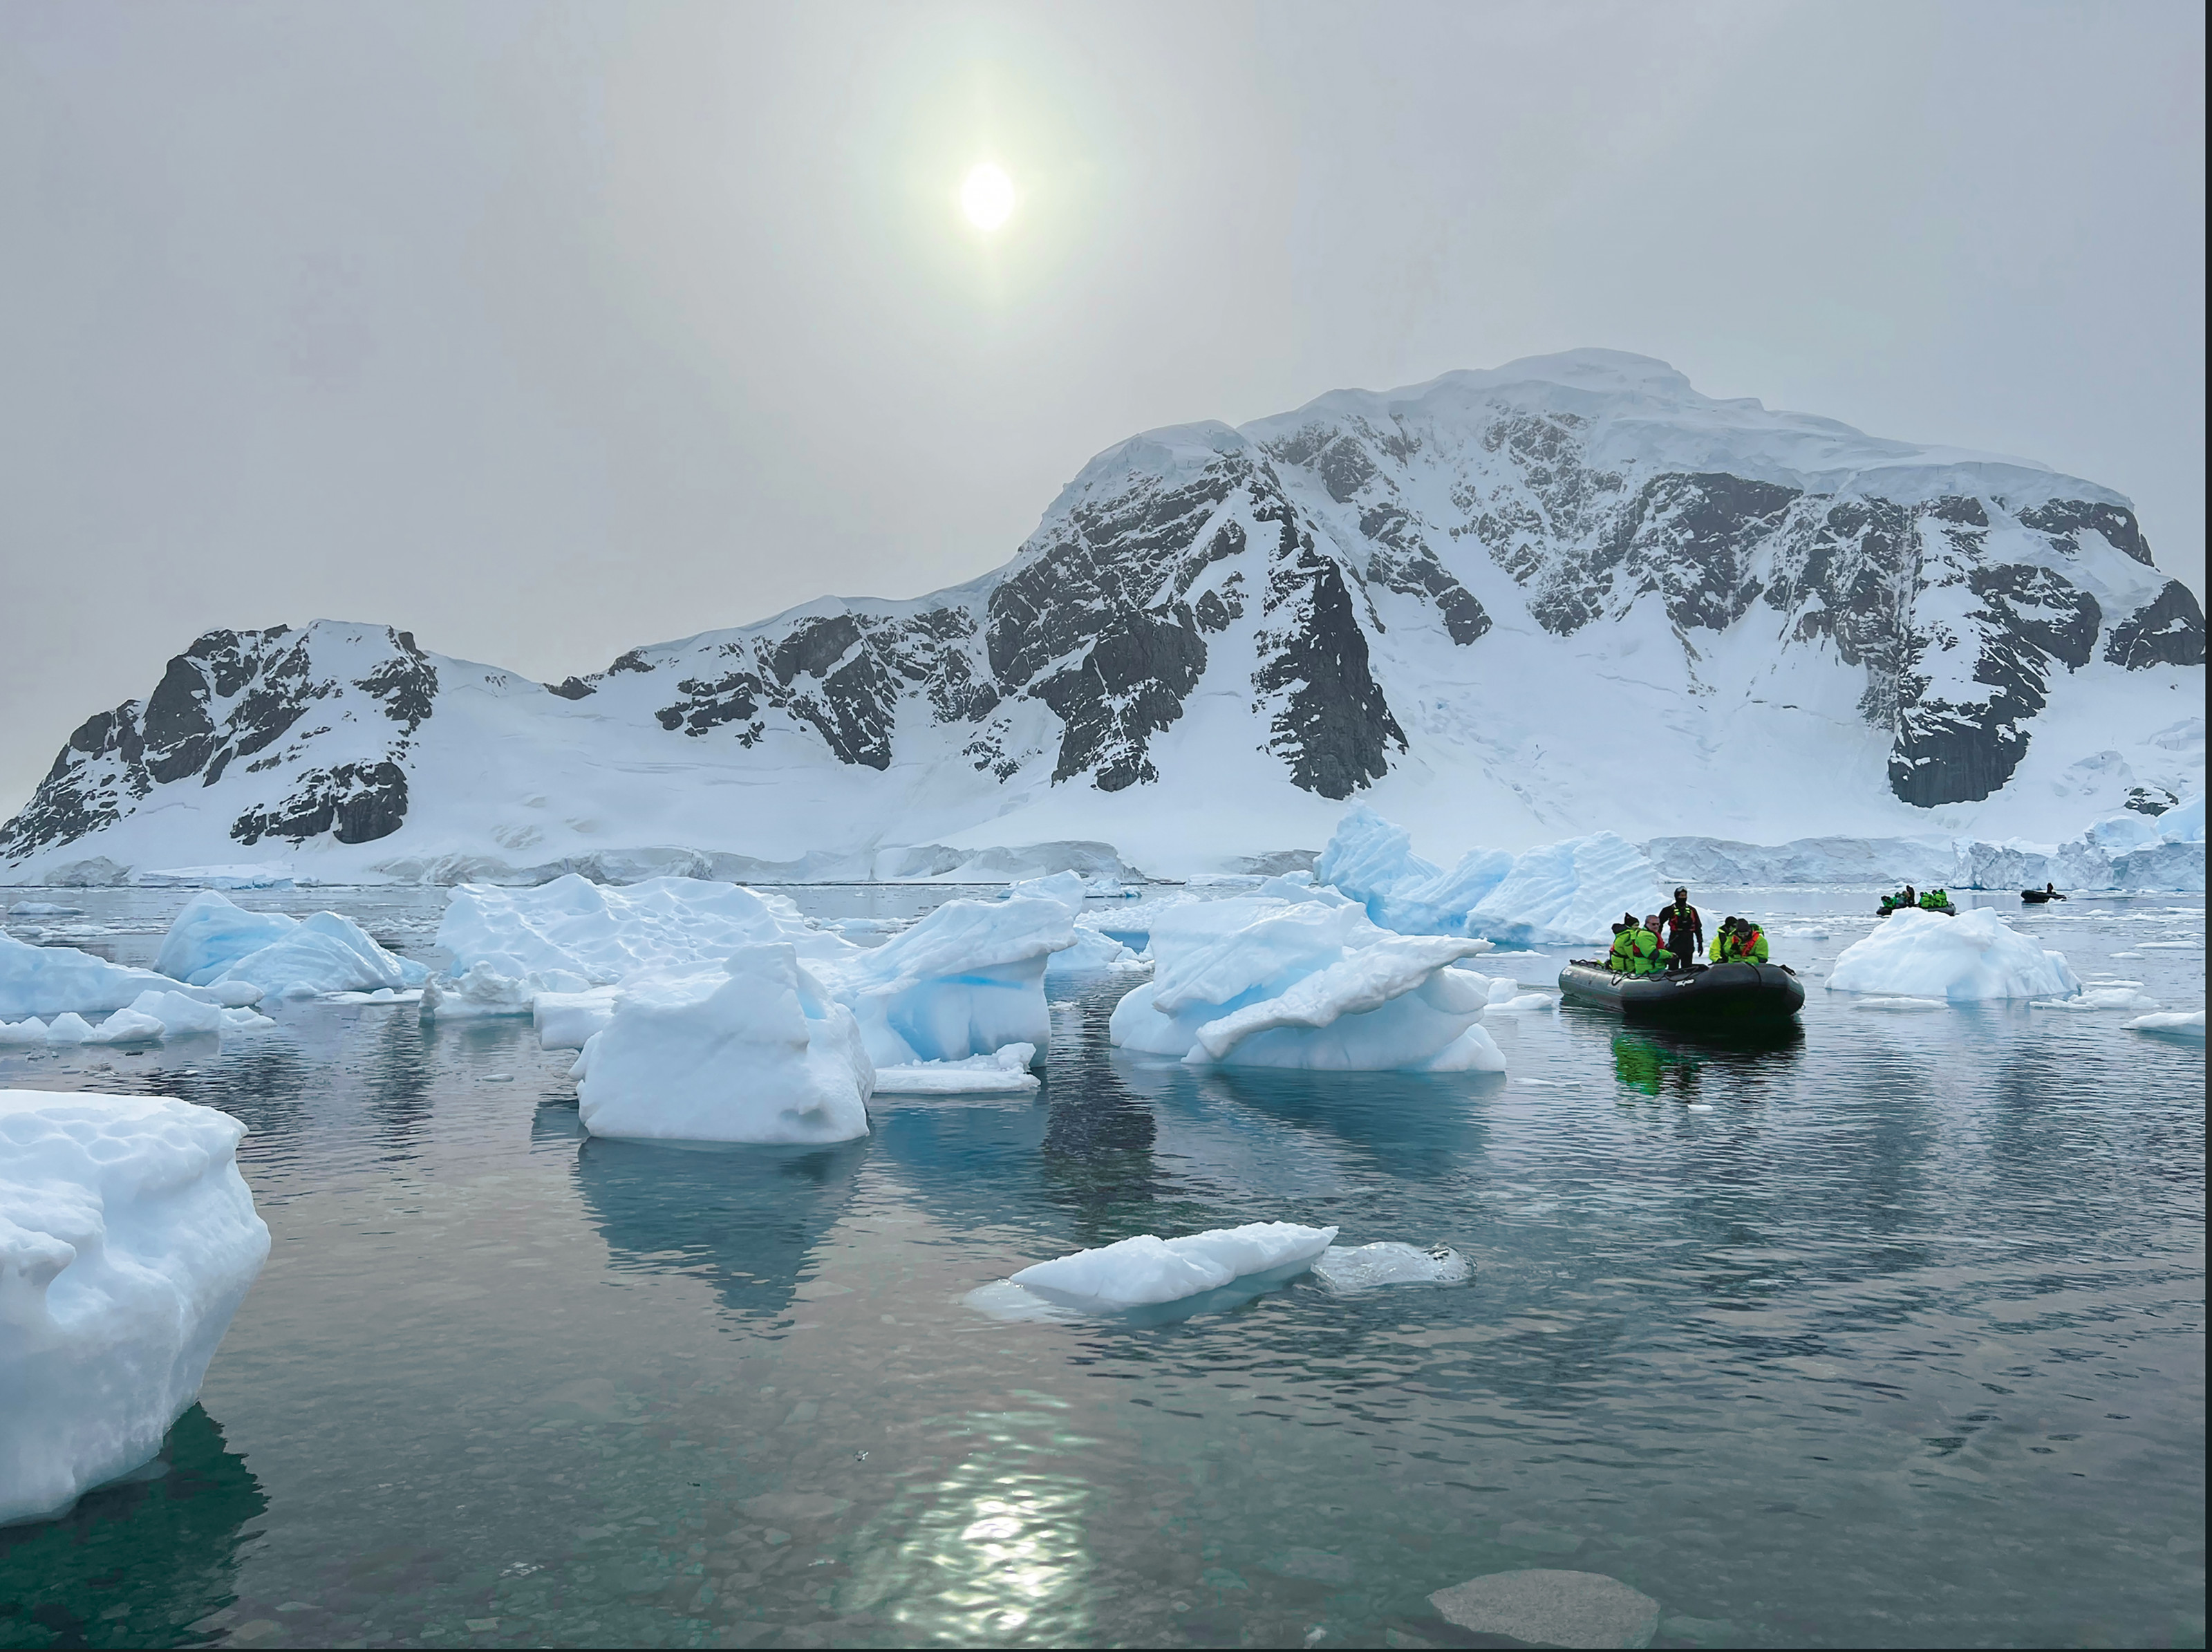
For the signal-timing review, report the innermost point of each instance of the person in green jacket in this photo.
(1936, 900)
(1637, 949)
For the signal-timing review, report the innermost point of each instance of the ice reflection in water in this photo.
(1900, 1341)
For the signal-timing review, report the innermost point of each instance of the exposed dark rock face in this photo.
(572, 688)
(1334, 727)
(238, 695)
(354, 803)
(2168, 631)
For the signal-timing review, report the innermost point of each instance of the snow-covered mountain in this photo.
(1502, 606)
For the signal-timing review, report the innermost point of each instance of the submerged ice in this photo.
(1145, 1271)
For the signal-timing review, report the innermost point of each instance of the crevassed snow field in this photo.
(1888, 1331)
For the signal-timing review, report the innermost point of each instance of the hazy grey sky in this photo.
(545, 331)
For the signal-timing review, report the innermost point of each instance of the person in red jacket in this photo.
(1684, 928)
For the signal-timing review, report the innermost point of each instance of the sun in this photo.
(987, 196)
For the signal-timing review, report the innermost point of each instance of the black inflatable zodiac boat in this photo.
(1719, 991)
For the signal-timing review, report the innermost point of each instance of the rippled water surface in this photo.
(1886, 1332)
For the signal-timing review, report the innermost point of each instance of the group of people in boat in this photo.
(1933, 900)
(1669, 940)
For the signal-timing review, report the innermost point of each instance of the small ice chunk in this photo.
(1524, 1003)
(31, 1031)
(69, 1028)
(2102, 997)
(565, 1021)
(2174, 1023)
(127, 1240)
(1146, 1270)
(1900, 1004)
(483, 991)
(1004, 1071)
(43, 910)
(1362, 1268)
(130, 1027)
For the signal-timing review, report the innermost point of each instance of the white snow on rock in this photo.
(1976, 955)
(1251, 980)
(753, 1049)
(46, 980)
(1004, 1072)
(1144, 1270)
(1555, 895)
(2171, 1022)
(1363, 1268)
(127, 1240)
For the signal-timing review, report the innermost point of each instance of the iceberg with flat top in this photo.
(52, 980)
(1145, 1271)
(1257, 980)
(752, 1049)
(575, 926)
(128, 1239)
(1976, 955)
(1006, 1072)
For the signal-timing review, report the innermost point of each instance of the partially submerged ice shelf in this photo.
(1388, 1261)
(127, 1240)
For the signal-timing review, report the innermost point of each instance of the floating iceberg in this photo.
(1557, 895)
(46, 980)
(43, 910)
(2173, 1023)
(1257, 981)
(1007, 1071)
(1976, 955)
(1372, 861)
(967, 980)
(213, 941)
(127, 1240)
(2103, 996)
(751, 1050)
(1142, 1272)
(1363, 1268)
(480, 991)
(611, 935)
(1903, 1006)
(1094, 949)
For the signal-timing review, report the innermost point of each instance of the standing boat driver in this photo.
(1684, 927)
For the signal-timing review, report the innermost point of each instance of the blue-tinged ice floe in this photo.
(1261, 981)
(213, 942)
(127, 1240)
(48, 981)
(1387, 1262)
(1555, 895)
(1975, 955)
(776, 1042)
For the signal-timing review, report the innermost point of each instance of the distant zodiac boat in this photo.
(1720, 992)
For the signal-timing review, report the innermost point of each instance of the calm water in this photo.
(1897, 1339)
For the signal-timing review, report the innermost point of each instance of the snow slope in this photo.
(1505, 607)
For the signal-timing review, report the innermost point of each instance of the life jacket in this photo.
(1682, 925)
(1751, 948)
(1636, 952)
(1935, 899)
